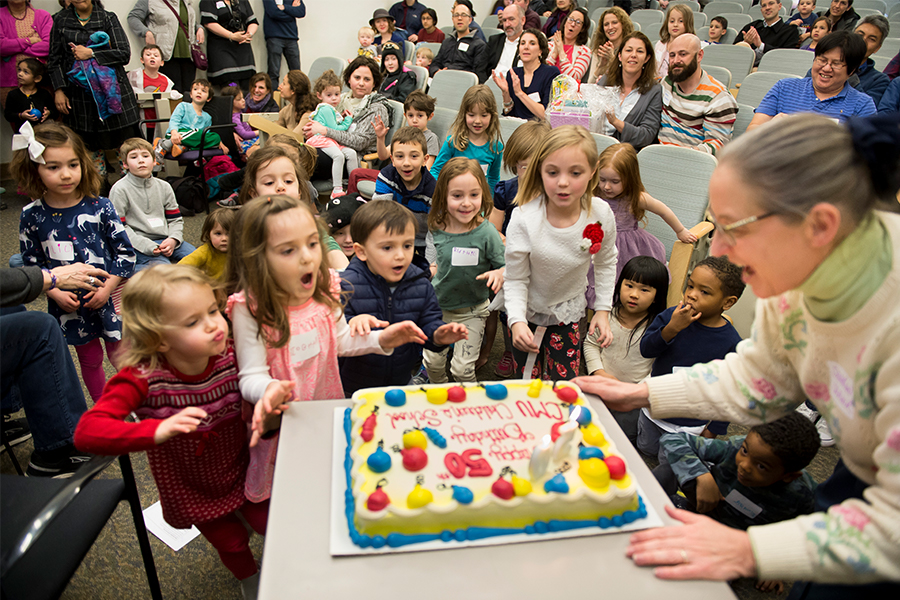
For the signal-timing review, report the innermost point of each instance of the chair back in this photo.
(713, 9)
(409, 51)
(737, 59)
(679, 178)
(695, 6)
(603, 141)
(489, 32)
(787, 60)
(881, 61)
(322, 64)
(492, 21)
(755, 13)
(498, 95)
(700, 19)
(648, 18)
(720, 74)
(735, 20)
(727, 37)
(891, 45)
(421, 76)
(866, 12)
(507, 126)
(441, 122)
(433, 46)
(757, 85)
(448, 87)
(742, 120)
(878, 5)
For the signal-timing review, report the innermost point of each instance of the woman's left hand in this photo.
(702, 549)
(600, 322)
(201, 35)
(62, 102)
(79, 276)
(614, 120)
(81, 52)
(516, 85)
(313, 128)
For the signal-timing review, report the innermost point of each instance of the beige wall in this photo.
(329, 29)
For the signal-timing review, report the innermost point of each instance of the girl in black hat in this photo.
(399, 80)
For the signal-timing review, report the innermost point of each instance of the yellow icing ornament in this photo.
(534, 389)
(436, 395)
(415, 439)
(592, 435)
(594, 473)
(521, 487)
(419, 497)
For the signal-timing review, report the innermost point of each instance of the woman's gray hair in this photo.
(795, 162)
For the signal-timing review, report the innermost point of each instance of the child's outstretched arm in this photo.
(450, 333)
(267, 412)
(689, 456)
(650, 203)
(404, 332)
(493, 279)
(380, 135)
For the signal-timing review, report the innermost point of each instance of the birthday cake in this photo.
(465, 462)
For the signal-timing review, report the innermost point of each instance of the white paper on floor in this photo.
(176, 539)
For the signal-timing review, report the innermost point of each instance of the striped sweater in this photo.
(702, 119)
(573, 61)
(200, 476)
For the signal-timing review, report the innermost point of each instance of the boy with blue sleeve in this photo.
(383, 287)
(187, 123)
(692, 332)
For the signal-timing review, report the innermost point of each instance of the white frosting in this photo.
(505, 432)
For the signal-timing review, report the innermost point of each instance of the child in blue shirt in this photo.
(804, 17)
(692, 332)
(187, 123)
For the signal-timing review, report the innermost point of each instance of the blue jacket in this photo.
(413, 21)
(890, 101)
(282, 23)
(872, 81)
(413, 299)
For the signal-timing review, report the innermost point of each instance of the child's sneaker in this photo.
(177, 149)
(15, 431)
(230, 202)
(159, 151)
(337, 193)
(420, 378)
(57, 464)
(506, 367)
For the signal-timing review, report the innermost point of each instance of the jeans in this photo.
(145, 261)
(275, 47)
(34, 358)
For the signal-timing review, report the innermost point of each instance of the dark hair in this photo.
(205, 83)
(261, 77)
(648, 271)
(793, 439)
(232, 89)
(431, 13)
(722, 21)
(851, 45)
(543, 44)
(648, 76)
(54, 134)
(36, 67)
(303, 99)
(827, 20)
(410, 135)
(728, 274)
(468, 5)
(879, 22)
(223, 217)
(582, 37)
(151, 47)
(419, 100)
(326, 80)
(393, 215)
(364, 61)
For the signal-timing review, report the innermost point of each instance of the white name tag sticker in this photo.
(155, 222)
(536, 96)
(485, 169)
(464, 257)
(742, 504)
(220, 4)
(463, 47)
(304, 346)
(841, 389)
(61, 250)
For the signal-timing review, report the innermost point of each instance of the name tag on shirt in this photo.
(220, 4)
(463, 47)
(61, 250)
(666, 96)
(536, 96)
(304, 346)
(485, 169)
(155, 222)
(741, 504)
(464, 257)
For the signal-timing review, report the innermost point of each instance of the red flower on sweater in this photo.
(593, 238)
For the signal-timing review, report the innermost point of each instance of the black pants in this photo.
(182, 72)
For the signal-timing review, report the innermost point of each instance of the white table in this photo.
(297, 562)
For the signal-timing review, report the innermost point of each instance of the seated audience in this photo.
(804, 18)
(429, 31)
(407, 15)
(614, 25)
(385, 29)
(462, 51)
(503, 48)
(367, 47)
(259, 99)
(821, 27)
(769, 32)
(526, 89)
(569, 51)
(718, 28)
(873, 29)
(841, 15)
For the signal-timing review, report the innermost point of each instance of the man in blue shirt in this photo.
(827, 91)
(873, 29)
(280, 29)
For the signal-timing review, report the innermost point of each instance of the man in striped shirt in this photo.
(698, 111)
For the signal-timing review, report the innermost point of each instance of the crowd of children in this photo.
(371, 293)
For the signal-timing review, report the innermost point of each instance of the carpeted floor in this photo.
(113, 570)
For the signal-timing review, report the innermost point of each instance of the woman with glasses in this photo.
(568, 47)
(795, 203)
(827, 91)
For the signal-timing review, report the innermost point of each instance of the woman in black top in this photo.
(232, 25)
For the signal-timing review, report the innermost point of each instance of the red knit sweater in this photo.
(200, 476)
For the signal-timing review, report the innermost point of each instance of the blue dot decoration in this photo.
(557, 484)
(379, 461)
(462, 494)
(586, 452)
(496, 391)
(395, 398)
(582, 414)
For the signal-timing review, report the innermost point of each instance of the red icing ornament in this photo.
(567, 394)
(503, 489)
(554, 431)
(616, 466)
(377, 500)
(368, 427)
(414, 459)
(456, 394)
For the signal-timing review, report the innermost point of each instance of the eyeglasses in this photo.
(726, 230)
(835, 64)
(459, 15)
(575, 22)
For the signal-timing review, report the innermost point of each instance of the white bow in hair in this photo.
(25, 139)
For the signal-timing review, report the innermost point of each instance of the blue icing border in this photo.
(396, 540)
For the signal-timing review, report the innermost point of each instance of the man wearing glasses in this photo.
(462, 51)
(503, 48)
(826, 92)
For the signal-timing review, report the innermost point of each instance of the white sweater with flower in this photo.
(851, 371)
(547, 267)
